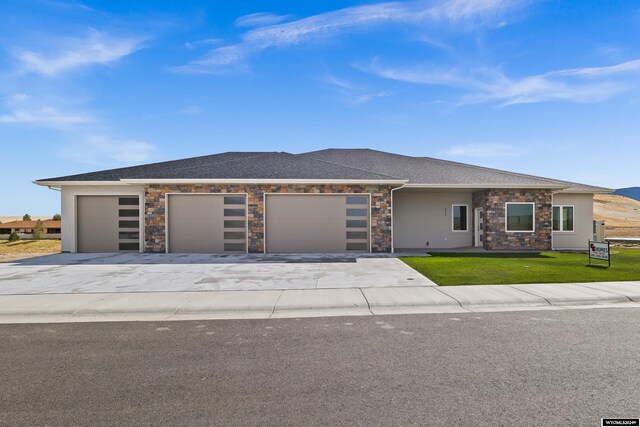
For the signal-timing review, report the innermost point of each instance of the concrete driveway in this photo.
(100, 273)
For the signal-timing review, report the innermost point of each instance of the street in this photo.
(567, 367)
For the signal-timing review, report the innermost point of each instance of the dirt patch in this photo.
(621, 215)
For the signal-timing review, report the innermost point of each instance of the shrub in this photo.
(39, 231)
(26, 217)
(13, 237)
(57, 217)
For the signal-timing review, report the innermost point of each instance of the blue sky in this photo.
(550, 88)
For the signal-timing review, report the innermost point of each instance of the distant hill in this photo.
(631, 192)
(621, 215)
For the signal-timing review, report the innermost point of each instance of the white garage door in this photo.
(206, 223)
(327, 223)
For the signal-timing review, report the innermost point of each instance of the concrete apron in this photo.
(295, 303)
(104, 273)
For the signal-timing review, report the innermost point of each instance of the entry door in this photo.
(478, 235)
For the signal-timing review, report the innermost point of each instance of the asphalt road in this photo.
(525, 368)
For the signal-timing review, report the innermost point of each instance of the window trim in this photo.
(561, 222)
(506, 217)
(467, 218)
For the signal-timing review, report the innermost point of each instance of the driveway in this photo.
(99, 273)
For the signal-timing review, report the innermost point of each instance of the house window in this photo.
(520, 216)
(563, 218)
(459, 218)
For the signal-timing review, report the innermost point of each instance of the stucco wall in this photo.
(154, 210)
(421, 216)
(582, 221)
(495, 235)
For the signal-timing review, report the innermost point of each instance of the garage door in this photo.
(206, 223)
(108, 223)
(317, 223)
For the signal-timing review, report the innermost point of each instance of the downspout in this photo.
(54, 188)
(392, 190)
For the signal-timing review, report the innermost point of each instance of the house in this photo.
(52, 228)
(334, 200)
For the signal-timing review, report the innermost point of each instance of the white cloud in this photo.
(191, 110)
(22, 110)
(101, 149)
(483, 151)
(198, 43)
(579, 85)
(72, 53)
(353, 94)
(260, 19)
(360, 18)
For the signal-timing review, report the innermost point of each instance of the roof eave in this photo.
(221, 181)
(480, 186)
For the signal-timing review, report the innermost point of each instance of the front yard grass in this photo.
(11, 251)
(449, 269)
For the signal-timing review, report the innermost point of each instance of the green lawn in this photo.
(450, 269)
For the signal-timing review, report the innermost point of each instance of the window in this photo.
(357, 200)
(357, 246)
(356, 212)
(356, 223)
(234, 223)
(459, 217)
(131, 235)
(128, 201)
(129, 212)
(356, 235)
(520, 216)
(234, 212)
(234, 247)
(234, 200)
(234, 235)
(129, 246)
(563, 218)
(129, 224)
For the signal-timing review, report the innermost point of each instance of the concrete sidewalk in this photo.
(156, 306)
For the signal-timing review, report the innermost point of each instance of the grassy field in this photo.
(10, 251)
(544, 267)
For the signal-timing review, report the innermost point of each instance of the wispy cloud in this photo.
(68, 54)
(23, 110)
(579, 85)
(191, 110)
(483, 151)
(354, 94)
(260, 19)
(101, 149)
(200, 43)
(333, 23)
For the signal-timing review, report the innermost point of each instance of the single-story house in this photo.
(334, 200)
(52, 229)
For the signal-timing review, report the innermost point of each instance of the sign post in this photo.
(600, 250)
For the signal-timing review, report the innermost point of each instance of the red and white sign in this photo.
(599, 250)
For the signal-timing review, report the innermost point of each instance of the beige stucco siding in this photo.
(583, 221)
(425, 216)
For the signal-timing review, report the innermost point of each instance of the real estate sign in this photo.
(599, 250)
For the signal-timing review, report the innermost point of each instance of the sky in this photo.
(549, 88)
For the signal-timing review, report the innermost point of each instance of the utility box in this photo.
(598, 230)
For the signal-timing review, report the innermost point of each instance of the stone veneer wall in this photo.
(154, 236)
(495, 236)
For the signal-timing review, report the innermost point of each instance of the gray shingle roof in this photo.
(330, 164)
(233, 165)
(427, 170)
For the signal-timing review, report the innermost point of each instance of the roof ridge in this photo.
(262, 154)
(345, 166)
